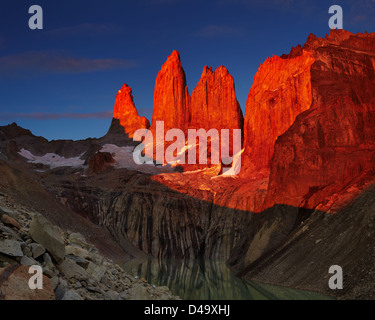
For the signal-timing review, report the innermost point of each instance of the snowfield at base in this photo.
(52, 160)
(122, 155)
(124, 159)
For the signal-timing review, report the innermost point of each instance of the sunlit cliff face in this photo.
(281, 91)
(126, 112)
(308, 128)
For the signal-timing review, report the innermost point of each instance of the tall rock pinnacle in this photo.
(171, 96)
(214, 103)
(126, 112)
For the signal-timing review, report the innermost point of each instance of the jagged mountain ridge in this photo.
(291, 169)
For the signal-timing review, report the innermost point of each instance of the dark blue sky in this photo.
(61, 81)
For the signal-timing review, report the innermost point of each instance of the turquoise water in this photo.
(210, 280)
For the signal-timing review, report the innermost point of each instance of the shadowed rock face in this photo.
(168, 224)
(345, 239)
(13, 131)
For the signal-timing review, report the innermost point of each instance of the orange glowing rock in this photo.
(171, 96)
(126, 112)
(281, 90)
(328, 154)
(213, 104)
(309, 134)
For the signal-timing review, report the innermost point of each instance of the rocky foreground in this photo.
(73, 269)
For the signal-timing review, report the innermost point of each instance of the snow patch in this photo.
(52, 160)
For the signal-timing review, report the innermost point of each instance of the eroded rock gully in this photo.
(166, 223)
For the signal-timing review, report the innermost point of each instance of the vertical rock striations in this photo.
(214, 105)
(214, 102)
(171, 96)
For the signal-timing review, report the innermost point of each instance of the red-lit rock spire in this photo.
(126, 112)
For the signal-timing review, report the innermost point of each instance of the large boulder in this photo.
(100, 161)
(95, 271)
(14, 285)
(78, 252)
(138, 292)
(48, 235)
(37, 250)
(72, 270)
(11, 248)
(9, 221)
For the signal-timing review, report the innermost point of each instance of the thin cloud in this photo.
(159, 2)
(213, 31)
(359, 18)
(41, 62)
(267, 3)
(84, 29)
(360, 12)
(7, 116)
(301, 6)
